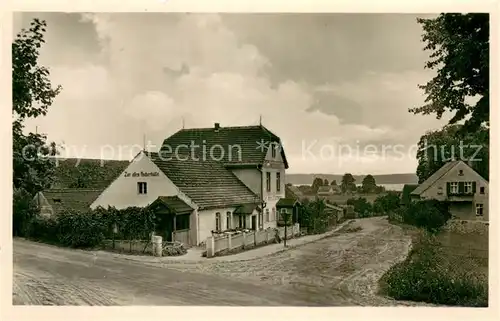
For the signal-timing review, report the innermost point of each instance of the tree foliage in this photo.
(32, 94)
(368, 184)
(459, 46)
(387, 203)
(450, 143)
(317, 183)
(347, 183)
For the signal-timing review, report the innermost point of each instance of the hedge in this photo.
(90, 228)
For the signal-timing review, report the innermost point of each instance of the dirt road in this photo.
(338, 271)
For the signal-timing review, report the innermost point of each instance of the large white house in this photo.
(204, 180)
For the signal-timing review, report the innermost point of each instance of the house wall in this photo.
(273, 166)
(463, 210)
(45, 208)
(123, 193)
(206, 220)
(438, 190)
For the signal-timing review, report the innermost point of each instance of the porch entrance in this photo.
(172, 219)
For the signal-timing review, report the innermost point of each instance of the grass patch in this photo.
(435, 272)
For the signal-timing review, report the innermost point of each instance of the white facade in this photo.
(123, 192)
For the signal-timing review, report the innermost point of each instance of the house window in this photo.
(241, 221)
(228, 220)
(273, 217)
(217, 222)
(142, 187)
(454, 187)
(278, 182)
(479, 209)
(481, 190)
(268, 181)
(267, 215)
(468, 187)
(273, 149)
(460, 173)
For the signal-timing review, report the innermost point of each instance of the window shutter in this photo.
(448, 188)
(473, 187)
(461, 187)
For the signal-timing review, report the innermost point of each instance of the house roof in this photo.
(292, 192)
(248, 138)
(286, 202)
(71, 198)
(334, 207)
(245, 209)
(206, 182)
(174, 203)
(96, 172)
(434, 177)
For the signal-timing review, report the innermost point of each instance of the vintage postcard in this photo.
(251, 159)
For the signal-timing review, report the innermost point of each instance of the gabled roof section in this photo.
(249, 139)
(71, 198)
(292, 192)
(434, 177)
(206, 182)
(174, 203)
(287, 202)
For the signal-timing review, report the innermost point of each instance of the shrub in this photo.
(361, 206)
(43, 229)
(425, 277)
(386, 204)
(431, 215)
(81, 229)
(23, 211)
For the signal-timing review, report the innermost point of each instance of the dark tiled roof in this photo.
(434, 177)
(245, 209)
(286, 202)
(207, 183)
(248, 138)
(175, 204)
(96, 173)
(72, 198)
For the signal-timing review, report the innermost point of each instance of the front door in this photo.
(254, 222)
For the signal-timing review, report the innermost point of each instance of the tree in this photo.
(368, 184)
(333, 183)
(317, 183)
(459, 46)
(348, 183)
(325, 182)
(32, 94)
(440, 146)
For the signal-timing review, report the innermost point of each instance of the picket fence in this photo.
(232, 242)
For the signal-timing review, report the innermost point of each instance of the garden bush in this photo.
(386, 204)
(361, 206)
(81, 229)
(23, 211)
(431, 215)
(424, 276)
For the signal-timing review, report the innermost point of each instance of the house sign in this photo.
(141, 174)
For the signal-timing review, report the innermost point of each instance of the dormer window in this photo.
(273, 150)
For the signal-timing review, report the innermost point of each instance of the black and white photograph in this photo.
(285, 159)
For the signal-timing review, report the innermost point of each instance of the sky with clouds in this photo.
(335, 87)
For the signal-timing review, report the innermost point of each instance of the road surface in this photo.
(338, 271)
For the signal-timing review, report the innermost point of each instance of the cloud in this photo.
(217, 78)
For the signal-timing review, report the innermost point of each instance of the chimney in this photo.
(216, 127)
